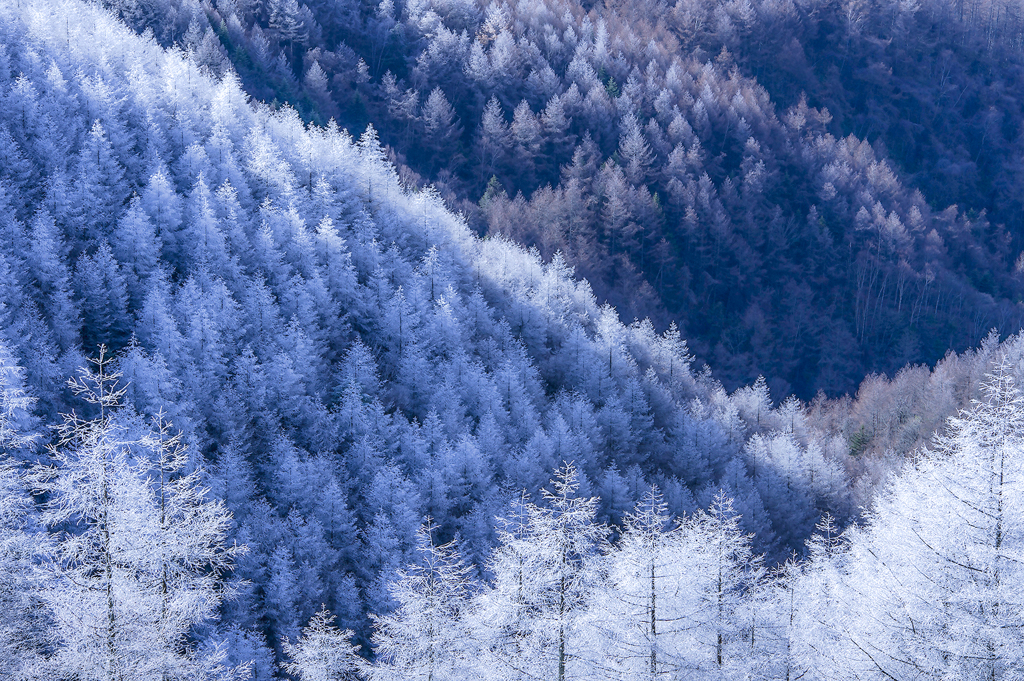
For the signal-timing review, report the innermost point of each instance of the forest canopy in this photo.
(270, 408)
(812, 190)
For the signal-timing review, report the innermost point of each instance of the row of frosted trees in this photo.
(665, 599)
(561, 600)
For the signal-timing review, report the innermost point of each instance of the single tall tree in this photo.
(425, 637)
(543, 569)
(21, 625)
(636, 616)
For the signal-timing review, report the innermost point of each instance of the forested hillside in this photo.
(408, 451)
(813, 191)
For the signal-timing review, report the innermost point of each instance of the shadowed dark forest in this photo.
(811, 191)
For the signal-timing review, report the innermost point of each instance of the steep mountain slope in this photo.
(344, 354)
(679, 186)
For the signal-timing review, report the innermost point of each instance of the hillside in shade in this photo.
(812, 191)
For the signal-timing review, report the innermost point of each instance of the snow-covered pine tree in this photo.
(805, 605)
(932, 583)
(725, 576)
(21, 626)
(533, 615)
(634, 617)
(323, 652)
(137, 558)
(426, 638)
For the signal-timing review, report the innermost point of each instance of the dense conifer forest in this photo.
(813, 190)
(321, 352)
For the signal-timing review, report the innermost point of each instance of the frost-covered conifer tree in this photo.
(425, 638)
(635, 616)
(725, 573)
(674, 601)
(809, 615)
(533, 615)
(21, 629)
(932, 584)
(324, 652)
(139, 549)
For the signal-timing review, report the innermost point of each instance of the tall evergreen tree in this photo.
(22, 625)
(140, 550)
(543, 567)
(426, 637)
(931, 580)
